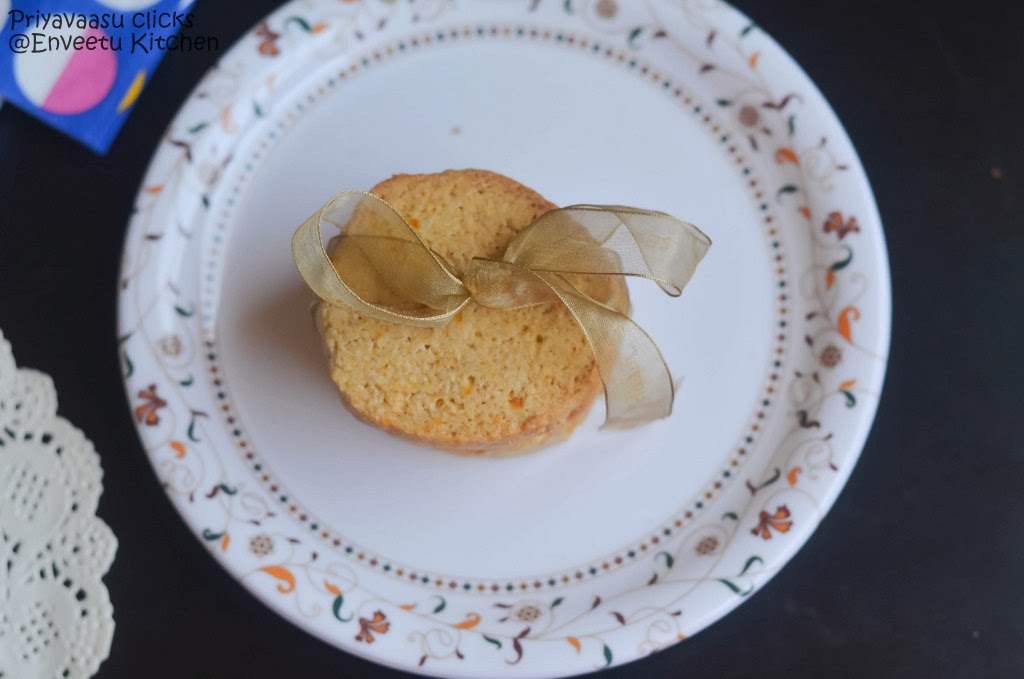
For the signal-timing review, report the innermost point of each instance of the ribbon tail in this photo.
(637, 382)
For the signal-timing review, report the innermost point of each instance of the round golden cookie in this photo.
(491, 381)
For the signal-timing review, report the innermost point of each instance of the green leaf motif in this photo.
(182, 311)
(785, 190)
(750, 562)
(129, 367)
(734, 588)
(487, 638)
(747, 29)
(723, 102)
(339, 601)
(303, 24)
(206, 201)
(192, 426)
(669, 561)
(774, 477)
(557, 601)
(634, 34)
(440, 606)
(851, 400)
(731, 515)
(568, 6)
(198, 128)
(257, 110)
(187, 382)
(843, 263)
(791, 122)
(228, 489)
(607, 656)
(211, 536)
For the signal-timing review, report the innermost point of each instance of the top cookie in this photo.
(490, 381)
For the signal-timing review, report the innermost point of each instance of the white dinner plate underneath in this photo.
(595, 551)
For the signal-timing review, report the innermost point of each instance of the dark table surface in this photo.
(916, 571)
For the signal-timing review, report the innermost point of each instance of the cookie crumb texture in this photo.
(490, 382)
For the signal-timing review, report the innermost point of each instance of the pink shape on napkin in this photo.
(85, 81)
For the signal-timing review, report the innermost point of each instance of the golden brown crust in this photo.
(491, 382)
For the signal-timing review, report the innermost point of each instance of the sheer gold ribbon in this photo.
(385, 271)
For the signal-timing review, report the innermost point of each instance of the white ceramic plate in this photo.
(596, 551)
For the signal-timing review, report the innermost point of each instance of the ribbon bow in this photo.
(385, 271)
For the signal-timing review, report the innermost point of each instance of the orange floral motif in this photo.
(793, 475)
(287, 580)
(471, 621)
(151, 403)
(268, 43)
(786, 156)
(845, 322)
(779, 521)
(835, 222)
(379, 624)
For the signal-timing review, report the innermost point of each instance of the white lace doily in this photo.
(56, 620)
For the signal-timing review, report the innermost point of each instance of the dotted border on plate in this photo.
(484, 585)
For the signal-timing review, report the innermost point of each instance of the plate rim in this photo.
(865, 423)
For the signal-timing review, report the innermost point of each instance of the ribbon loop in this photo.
(390, 273)
(382, 269)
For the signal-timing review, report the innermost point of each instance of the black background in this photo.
(919, 568)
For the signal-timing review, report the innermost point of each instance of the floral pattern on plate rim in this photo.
(698, 569)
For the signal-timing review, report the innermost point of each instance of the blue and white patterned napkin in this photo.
(79, 65)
